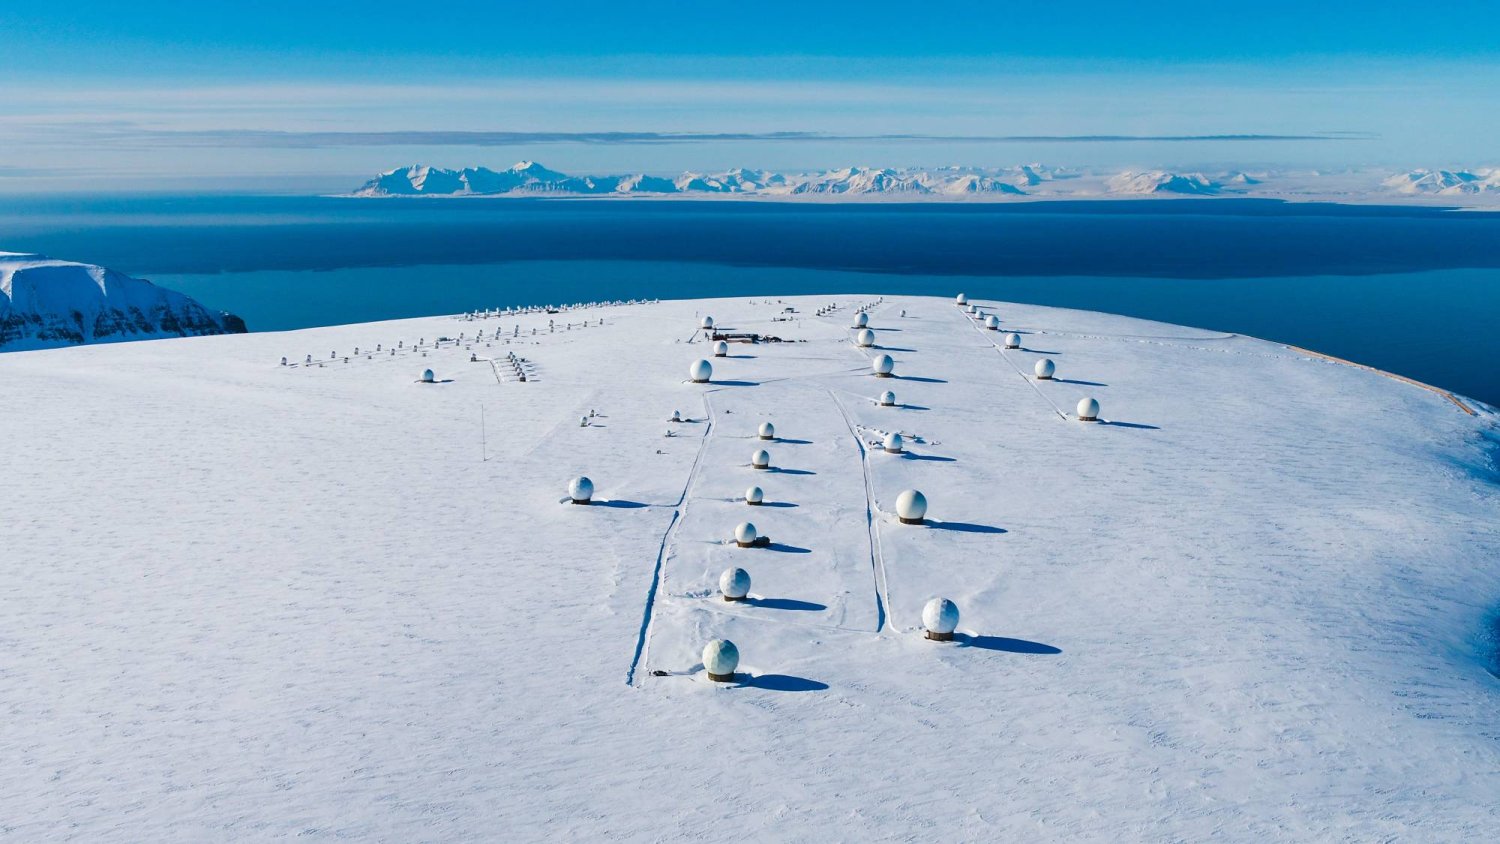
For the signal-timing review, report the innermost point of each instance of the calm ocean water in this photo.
(1411, 290)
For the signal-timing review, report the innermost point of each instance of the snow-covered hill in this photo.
(248, 600)
(46, 302)
(1160, 181)
(1446, 182)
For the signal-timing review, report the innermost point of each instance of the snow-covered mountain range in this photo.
(1033, 181)
(45, 303)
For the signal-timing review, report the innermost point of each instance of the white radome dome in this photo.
(887, 399)
(427, 376)
(940, 616)
(961, 299)
(721, 658)
(721, 349)
(1088, 409)
(701, 371)
(767, 431)
(734, 584)
(581, 489)
(882, 364)
(992, 322)
(744, 533)
(893, 443)
(861, 319)
(971, 310)
(1044, 368)
(707, 323)
(676, 416)
(1012, 341)
(865, 338)
(761, 459)
(911, 506)
(755, 495)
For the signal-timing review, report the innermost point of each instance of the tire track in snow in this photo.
(643, 638)
(877, 556)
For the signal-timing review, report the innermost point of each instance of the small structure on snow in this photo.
(961, 300)
(911, 507)
(1012, 341)
(581, 490)
(1044, 369)
(861, 319)
(865, 338)
(745, 534)
(754, 496)
(761, 459)
(701, 371)
(734, 584)
(887, 399)
(882, 365)
(428, 377)
(1088, 410)
(767, 431)
(720, 659)
(893, 443)
(721, 349)
(992, 322)
(940, 617)
(707, 323)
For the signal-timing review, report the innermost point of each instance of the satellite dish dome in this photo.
(744, 534)
(701, 371)
(861, 319)
(940, 617)
(721, 658)
(1012, 341)
(911, 507)
(721, 349)
(707, 323)
(581, 490)
(427, 376)
(755, 495)
(767, 431)
(676, 416)
(992, 322)
(761, 459)
(882, 365)
(1088, 410)
(893, 443)
(887, 399)
(961, 299)
(1044, 369)
(734, 584)
(865, 338)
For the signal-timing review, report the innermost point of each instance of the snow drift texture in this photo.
(46, 303)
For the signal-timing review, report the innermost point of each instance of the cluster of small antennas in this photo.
(883, 366)
(865, 338)
(700, 371)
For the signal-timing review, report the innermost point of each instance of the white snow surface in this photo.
(246, 601)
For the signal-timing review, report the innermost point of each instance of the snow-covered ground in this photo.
(245, 601)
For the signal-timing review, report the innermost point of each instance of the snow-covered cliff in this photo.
(45, 302)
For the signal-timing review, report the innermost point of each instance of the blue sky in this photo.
(106, 92)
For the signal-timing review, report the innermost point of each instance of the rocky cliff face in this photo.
(46, 303)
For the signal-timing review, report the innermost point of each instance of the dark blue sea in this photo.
(1411, 290)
